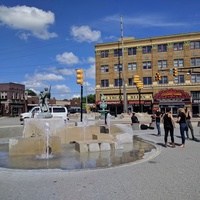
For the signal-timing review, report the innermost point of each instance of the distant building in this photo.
(12, 99)
(118, 62)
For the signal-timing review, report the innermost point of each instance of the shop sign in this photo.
(172, 95)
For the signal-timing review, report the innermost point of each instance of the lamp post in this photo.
(139, 86)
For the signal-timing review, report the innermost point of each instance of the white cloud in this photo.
(30, 21)
(38, 79)
(91, 59)
(62, 71)
(90, 73)
(84, 33)
(47, 77)
(63, 88)
(67, 58)
(91, 90)
(150, 20)
(86, 83)
(76, 96)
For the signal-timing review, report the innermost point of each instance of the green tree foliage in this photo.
(91, 98)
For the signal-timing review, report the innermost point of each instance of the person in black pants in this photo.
(189, 123)
(168, 126)
(158, 117)
(182, 122)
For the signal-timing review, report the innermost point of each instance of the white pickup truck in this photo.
(56, 111)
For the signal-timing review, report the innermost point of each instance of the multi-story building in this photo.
(11, 99)
(118, 62)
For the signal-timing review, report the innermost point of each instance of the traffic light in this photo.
(175, 72)
(139, 85)
(79, 76)
(157, 76)
(136, 78)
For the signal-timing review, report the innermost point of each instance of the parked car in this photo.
(56, 111)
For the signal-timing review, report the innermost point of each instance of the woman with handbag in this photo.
(168, 123)
(182, 122)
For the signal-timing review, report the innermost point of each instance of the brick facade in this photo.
(176, 49)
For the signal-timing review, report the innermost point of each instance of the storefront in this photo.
(114, 107)
(172, 98)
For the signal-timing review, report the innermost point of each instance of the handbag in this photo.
(186, 128)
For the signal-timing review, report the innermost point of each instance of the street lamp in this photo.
(139, 86)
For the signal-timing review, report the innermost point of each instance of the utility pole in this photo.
(123, 70)
(86, 92)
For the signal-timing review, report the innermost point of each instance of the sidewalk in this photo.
(174, 174)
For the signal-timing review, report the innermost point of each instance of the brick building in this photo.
(117, 63)
(11, 99)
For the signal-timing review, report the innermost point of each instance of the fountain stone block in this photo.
(94, 145)
(34, 127)
(33, 146)
(105, 146)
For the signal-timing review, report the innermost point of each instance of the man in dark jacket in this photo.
(134, 118)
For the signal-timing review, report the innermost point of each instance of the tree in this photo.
(91, 98)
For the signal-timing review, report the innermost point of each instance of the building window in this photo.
(162, 48)
(104, 54)
(195, 61)
(146, 65)
(147, 80)
(195, 95)
(104, 68)
(164, 80)
(117, 52)
(118, 82)
(162, 64)
(117, 68)
(3, 95)
(195, 78)
(130, 81)
(178, 46)
(195, 45)
(105, 83)
(132, 51)
(179, 79)
(146, 49)
(132, 66)
(178, 63)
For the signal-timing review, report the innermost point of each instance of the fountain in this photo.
(103, 106)
(49, 143)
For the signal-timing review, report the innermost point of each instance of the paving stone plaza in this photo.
(169, 173)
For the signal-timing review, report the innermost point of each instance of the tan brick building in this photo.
(146, 57)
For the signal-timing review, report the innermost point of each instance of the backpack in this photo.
(143, 127)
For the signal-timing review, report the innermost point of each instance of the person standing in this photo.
(158, 117)
(168, 122)
(189, 123)
(182, 122)
(134, 118)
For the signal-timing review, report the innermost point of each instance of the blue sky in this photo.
(43, 42)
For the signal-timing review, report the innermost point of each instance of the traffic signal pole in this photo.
(79, 77)
(81, 102)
